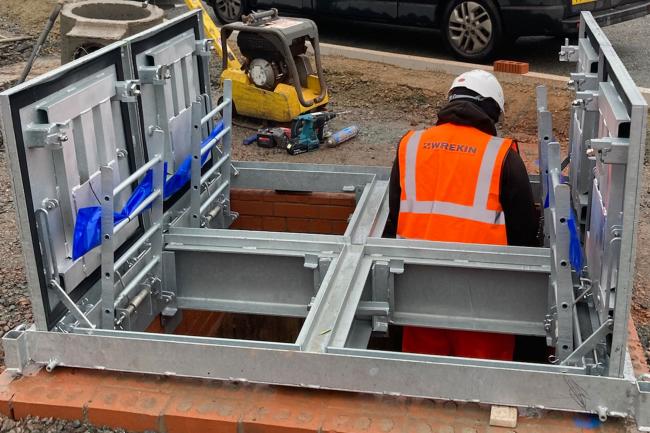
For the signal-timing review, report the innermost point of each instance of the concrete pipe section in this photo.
(92, 24)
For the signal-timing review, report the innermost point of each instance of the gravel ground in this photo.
(50, 425)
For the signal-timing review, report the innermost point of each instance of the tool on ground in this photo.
(273, 137)
(341, 136)
(308, 131)
(270, 138)
(41, 39)
(275, 79)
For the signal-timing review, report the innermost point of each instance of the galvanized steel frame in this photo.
(346, 287)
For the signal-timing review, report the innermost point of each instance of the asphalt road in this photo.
(630, 39)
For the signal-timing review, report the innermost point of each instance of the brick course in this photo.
(297, 212)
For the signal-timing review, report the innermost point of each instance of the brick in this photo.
(340, 213)
(128, 409)
(274, 224)
(304, 225)
(339, 227)
(240, 194)
(339, 420)
(202, 412)
(430, 425)
(6, 392)
(343, 199)
(259, 208)
(51, 399)
(278, 410)
(300, 197)
(511, 67)
(246, 222)
(296, 210)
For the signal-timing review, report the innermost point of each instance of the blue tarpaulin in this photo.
(87, 228)
(575, 248)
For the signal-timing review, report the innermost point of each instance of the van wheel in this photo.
(228, 11)
(472, 29)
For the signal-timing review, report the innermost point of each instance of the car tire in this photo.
(228, 11)
(472, 29)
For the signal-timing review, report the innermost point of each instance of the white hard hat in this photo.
(483, 83)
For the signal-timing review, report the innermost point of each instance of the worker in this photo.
(458, 182)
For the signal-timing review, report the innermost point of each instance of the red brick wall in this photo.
(279, 211)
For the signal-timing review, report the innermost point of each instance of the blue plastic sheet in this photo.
(87, 228)
(183, 175)
(575, 248)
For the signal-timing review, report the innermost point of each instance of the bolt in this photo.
(51, 365)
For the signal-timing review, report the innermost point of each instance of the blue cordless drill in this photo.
(308, 131)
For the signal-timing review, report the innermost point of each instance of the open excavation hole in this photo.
(292, 211)
(112, 12)
(237, 326)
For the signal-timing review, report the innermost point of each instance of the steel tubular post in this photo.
(559, 208)
(195, 189)
(107, 314)
(156, 216)
(224, 217)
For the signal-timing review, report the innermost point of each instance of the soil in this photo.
(387, 101)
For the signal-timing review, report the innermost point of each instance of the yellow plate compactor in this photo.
(275, 79)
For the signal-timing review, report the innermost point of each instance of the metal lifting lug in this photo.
(127, 91)
(568, 53)
(155, 75)
(45, 135)
(203, 47)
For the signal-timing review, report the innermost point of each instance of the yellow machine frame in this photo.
(279, 105)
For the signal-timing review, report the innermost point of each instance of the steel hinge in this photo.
(609, 150)
(588, 99)
(127, 91)
(581, 81)
(203, 47)
(155, 75)
(45, 135)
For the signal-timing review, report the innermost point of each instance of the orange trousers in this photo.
(467, 344)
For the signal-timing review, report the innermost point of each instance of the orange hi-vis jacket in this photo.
(450, 181)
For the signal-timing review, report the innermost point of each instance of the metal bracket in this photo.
(45, 135)
(588, 98)
(155, 75)
(127, 91)
(610, 150)
(581, 81)
(203, 47)
(382, 290)
(70, 305)
(319, 265)
(568, 53)
(589, 344)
